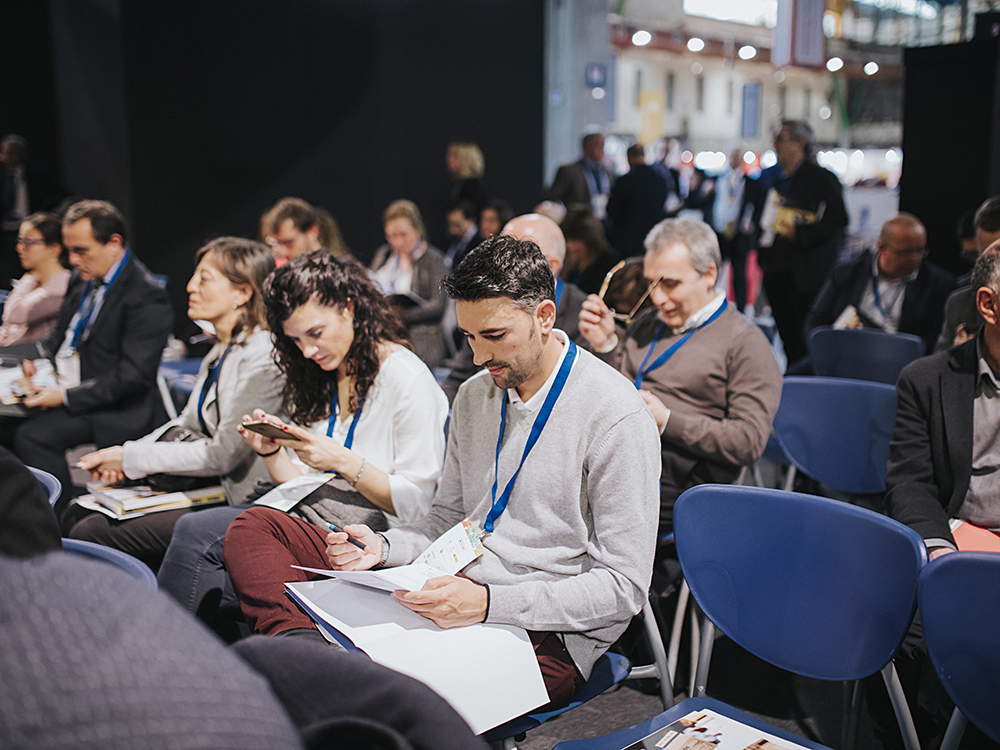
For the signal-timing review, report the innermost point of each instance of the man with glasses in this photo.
(895, 289)
(713, 392)
(801, 218)
(294, 228)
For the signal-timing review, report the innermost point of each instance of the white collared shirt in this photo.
(534, 403)
(891, 294)
(703, 314)
(101, 292)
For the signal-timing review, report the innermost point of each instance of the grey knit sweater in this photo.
(573, 551)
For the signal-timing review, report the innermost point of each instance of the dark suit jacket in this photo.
(570, 186)
(930, 458)
(567, 319)
(813, 253)
(635, 207)
(120, 357)
(28, 526)
(923, 301)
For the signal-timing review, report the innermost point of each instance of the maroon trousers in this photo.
(261, 546)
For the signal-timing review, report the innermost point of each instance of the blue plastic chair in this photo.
(135, 568)
(862, 354)
(959, 609)
(814, 586)
(608, 671)
(837, 431)
(51, 486)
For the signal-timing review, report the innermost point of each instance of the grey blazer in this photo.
(249, 380)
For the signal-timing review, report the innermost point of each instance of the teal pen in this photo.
(356, 542)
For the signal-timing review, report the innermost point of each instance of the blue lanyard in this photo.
(213, 375)
(334, 408)
(559, 290)
(878, 297)
(499, 506)
(661, 360)
(84, 321)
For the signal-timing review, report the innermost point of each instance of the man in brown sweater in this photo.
(713, 392)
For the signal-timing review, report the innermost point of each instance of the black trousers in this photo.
(790, 305)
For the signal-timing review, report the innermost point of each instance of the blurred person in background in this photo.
(731, 216)
(409, 270)
(32, 307)
(588, 256)
(636, 204)
(466, 166)
(494, 217)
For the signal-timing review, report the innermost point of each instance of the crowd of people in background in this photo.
(602, 307)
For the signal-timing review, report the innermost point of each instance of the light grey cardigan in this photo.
(573, 551)
(249, 379)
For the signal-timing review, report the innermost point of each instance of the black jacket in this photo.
(923, 301)
(930, 458)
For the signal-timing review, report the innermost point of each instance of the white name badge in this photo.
(455, 548)
(68, 368)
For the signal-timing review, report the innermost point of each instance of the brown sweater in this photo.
(722, 388)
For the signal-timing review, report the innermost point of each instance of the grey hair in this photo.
(987, 270)
(799, 130)
(697, 236)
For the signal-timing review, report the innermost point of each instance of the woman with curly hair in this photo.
(363, 408)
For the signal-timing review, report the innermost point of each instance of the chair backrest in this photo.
(134, 567)
(51, 486)
(815, 586)
(863, 354)
(959, 610)
(837, 431)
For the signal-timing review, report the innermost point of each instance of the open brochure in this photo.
(707, 730)
(488, 673)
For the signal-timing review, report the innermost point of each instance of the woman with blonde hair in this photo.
(466, 166)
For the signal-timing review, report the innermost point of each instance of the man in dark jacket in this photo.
(896, 290)
(802, 218)
(635, 205)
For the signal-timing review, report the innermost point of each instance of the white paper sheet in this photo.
(287, 494)
(488, 673)
(410, 577)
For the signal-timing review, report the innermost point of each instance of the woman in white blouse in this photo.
(363, 407)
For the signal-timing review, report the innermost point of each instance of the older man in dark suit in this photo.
(106, 346)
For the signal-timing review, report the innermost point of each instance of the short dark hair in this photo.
(503, 266)
(48, 225)
(581, 226)
(467, 208)
(635, 151)
(105, 220)
(589, 139)
(988, 215)
(303, 215)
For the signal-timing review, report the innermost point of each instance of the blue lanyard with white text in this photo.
(878, 297)
(659, 361)
(333, 418)
(83, 322)
(212, 376)
(499, 506)
(559, 290)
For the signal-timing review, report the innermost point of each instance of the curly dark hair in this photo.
(333, 282)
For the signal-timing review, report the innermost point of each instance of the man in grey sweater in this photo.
(571, 520)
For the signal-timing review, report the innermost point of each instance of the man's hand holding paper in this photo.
(448, 601)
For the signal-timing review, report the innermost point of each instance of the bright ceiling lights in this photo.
(747, 52)
(641, 38)
(695, 44)
(871, 68)
(834, 64)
